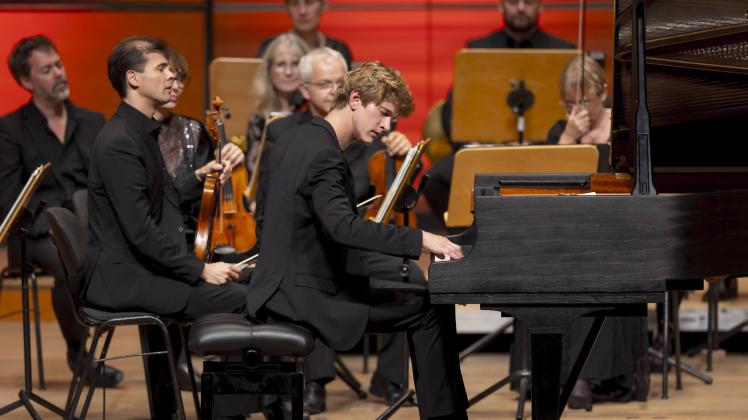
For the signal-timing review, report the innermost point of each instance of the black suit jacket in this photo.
(311, 270)
(138, 253)
(27, 142)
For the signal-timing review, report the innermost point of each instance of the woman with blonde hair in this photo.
(582, 87)
(275, 87)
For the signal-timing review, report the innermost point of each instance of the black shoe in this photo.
(110, 376)
(183, 376)
(391, 392)
(581, 396)
(314, 398)
(281, 410)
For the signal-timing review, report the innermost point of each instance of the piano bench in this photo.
(256, 359)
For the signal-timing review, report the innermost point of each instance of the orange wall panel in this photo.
(85, 40)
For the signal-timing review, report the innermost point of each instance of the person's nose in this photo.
(386, 123)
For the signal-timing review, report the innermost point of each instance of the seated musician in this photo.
(48, 125)
(616, 369)
(185, 145)
(275, 87)
(305, 16)
(587, 117)
(520, 30)
(138, 256)
(310, 268)
(321, 73)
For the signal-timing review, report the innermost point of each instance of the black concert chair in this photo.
(69, 236)
(13, 271)
(256, 359)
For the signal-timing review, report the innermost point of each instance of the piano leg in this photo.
(547, 325)
(546, 387)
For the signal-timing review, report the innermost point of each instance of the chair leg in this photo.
(99, 369)
(172, 370)
(190, 370)
(297, 397)
(38, 331)
(80, 375)
(206, 388)
(675, 304)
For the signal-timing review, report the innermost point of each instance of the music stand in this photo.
(20, 218)
(483, 82)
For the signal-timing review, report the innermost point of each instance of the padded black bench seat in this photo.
(234, 334)
(264, 368)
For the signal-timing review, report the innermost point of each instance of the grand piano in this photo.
(549, 259)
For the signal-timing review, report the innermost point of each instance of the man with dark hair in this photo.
(138, 252)
(312, 270)
(520, 31)
(48, 128)
(305, 16)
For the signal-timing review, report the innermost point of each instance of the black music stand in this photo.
(23, 221)
(405, 205)
(20, 219)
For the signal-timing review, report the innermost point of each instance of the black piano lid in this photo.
(697, 79)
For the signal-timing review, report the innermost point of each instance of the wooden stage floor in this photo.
(726, 398)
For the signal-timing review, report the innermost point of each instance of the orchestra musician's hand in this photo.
(441, 246)
(577, 125)
(231, 156)
(397, 144)
(213, 166)
(219, 273)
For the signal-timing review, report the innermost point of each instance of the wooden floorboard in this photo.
(726, 398)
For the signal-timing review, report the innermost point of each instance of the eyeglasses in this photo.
(568, 105)
(282, 66)
(182, 80)
(325, 84)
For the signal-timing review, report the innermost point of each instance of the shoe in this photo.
(314, 398)
(581, 396)
(281, 410)
(183, 376)
(389, 391)
(110, 376)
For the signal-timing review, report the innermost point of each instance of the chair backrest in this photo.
(69, 236)
(231, 79)
(510, 160)
(80, 207)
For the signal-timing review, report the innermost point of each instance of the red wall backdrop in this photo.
(419, 37)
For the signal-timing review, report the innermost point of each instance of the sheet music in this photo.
(22, 199)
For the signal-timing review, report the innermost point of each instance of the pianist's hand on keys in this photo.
(441, 246)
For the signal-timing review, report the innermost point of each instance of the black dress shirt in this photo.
(26, 142)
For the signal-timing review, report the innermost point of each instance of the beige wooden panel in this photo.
(510, 160)
(231, 79)
(482, 82)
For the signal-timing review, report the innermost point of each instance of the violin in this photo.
(224, 224)
(254, 182)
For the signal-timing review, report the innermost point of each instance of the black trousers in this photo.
(42, 253)
(204, 299)
(392, 360)
(432, 338)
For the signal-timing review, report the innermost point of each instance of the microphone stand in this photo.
(405, 205)
(520, 99)
(26, 395)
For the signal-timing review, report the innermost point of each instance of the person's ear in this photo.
(26, 83)
(133, 79)
(304, 88)
(354, 100)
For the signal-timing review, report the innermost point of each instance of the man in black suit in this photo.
(311, 269)
(138, 252)
(48, 128)
(520, 31)
(322, 70)
(305, 16)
